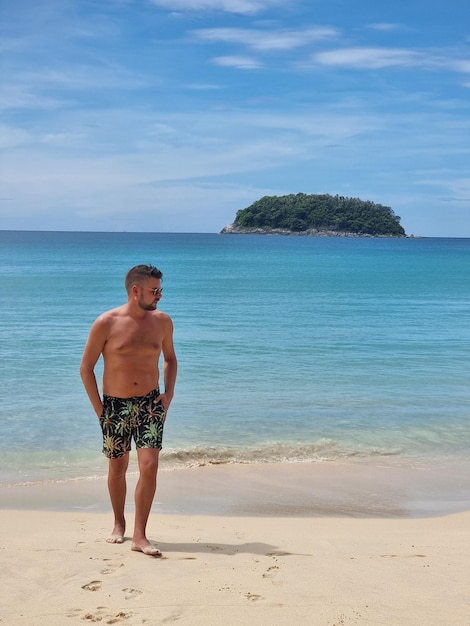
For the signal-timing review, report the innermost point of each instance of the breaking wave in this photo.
(324, 450)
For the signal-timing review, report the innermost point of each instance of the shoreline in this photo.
(360, 489)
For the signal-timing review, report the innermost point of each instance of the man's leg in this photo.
(144, 494)
(117, 492)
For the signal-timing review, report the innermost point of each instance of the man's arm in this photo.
(170, 365)
(93, 349)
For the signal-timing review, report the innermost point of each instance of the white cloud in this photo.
(10, 45)
(84, 77)
(462, 66)
(369, 58)
(12, 137)
(267, 40)
(203, 87)
(50, 89)
(461, 190)
(385, 26)
(239, 62)
(379, 58)
(65, 139)
(20, 97)
(244, 7)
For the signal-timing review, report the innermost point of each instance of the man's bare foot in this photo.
(147, 548)
(117, 536)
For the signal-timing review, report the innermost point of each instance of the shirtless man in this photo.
(131, 338)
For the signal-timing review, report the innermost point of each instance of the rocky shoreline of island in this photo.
(234, 229)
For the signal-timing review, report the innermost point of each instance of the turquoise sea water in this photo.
(290, 348)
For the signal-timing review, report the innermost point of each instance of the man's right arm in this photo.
(93, 349)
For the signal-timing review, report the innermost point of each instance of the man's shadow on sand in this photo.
(260, 549)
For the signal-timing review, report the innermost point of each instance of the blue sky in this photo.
(170, 115)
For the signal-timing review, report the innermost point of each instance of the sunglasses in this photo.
(157, 291)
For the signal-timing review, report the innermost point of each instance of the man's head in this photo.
(143, 286)
(140, 274)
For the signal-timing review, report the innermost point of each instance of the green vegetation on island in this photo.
(317, 214)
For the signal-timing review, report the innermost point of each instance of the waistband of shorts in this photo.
(151, 394)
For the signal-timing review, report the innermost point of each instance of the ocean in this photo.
(293, 349)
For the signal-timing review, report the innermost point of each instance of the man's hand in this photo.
(165, 399)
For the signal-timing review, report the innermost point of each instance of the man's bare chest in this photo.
(135, 338)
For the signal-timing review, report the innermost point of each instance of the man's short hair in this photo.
(139, 274)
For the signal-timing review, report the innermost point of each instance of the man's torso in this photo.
(131, 354)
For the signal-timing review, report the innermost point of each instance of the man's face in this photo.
(149, 295)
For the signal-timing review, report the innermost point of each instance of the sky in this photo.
(171, 115)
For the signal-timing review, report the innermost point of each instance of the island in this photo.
(316, 215)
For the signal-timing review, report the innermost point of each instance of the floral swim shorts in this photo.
(140, 418)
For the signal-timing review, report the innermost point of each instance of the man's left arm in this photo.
(170, 366)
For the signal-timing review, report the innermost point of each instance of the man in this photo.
(131, 338)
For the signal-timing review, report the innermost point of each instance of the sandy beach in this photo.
(238, 563)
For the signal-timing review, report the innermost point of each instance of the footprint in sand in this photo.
(132, 593)
(174, 617)
(270, 574)
(403, 556)
(253, 597)
(112, 566)
(119, 617)
(108, 618)
(94, 585)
